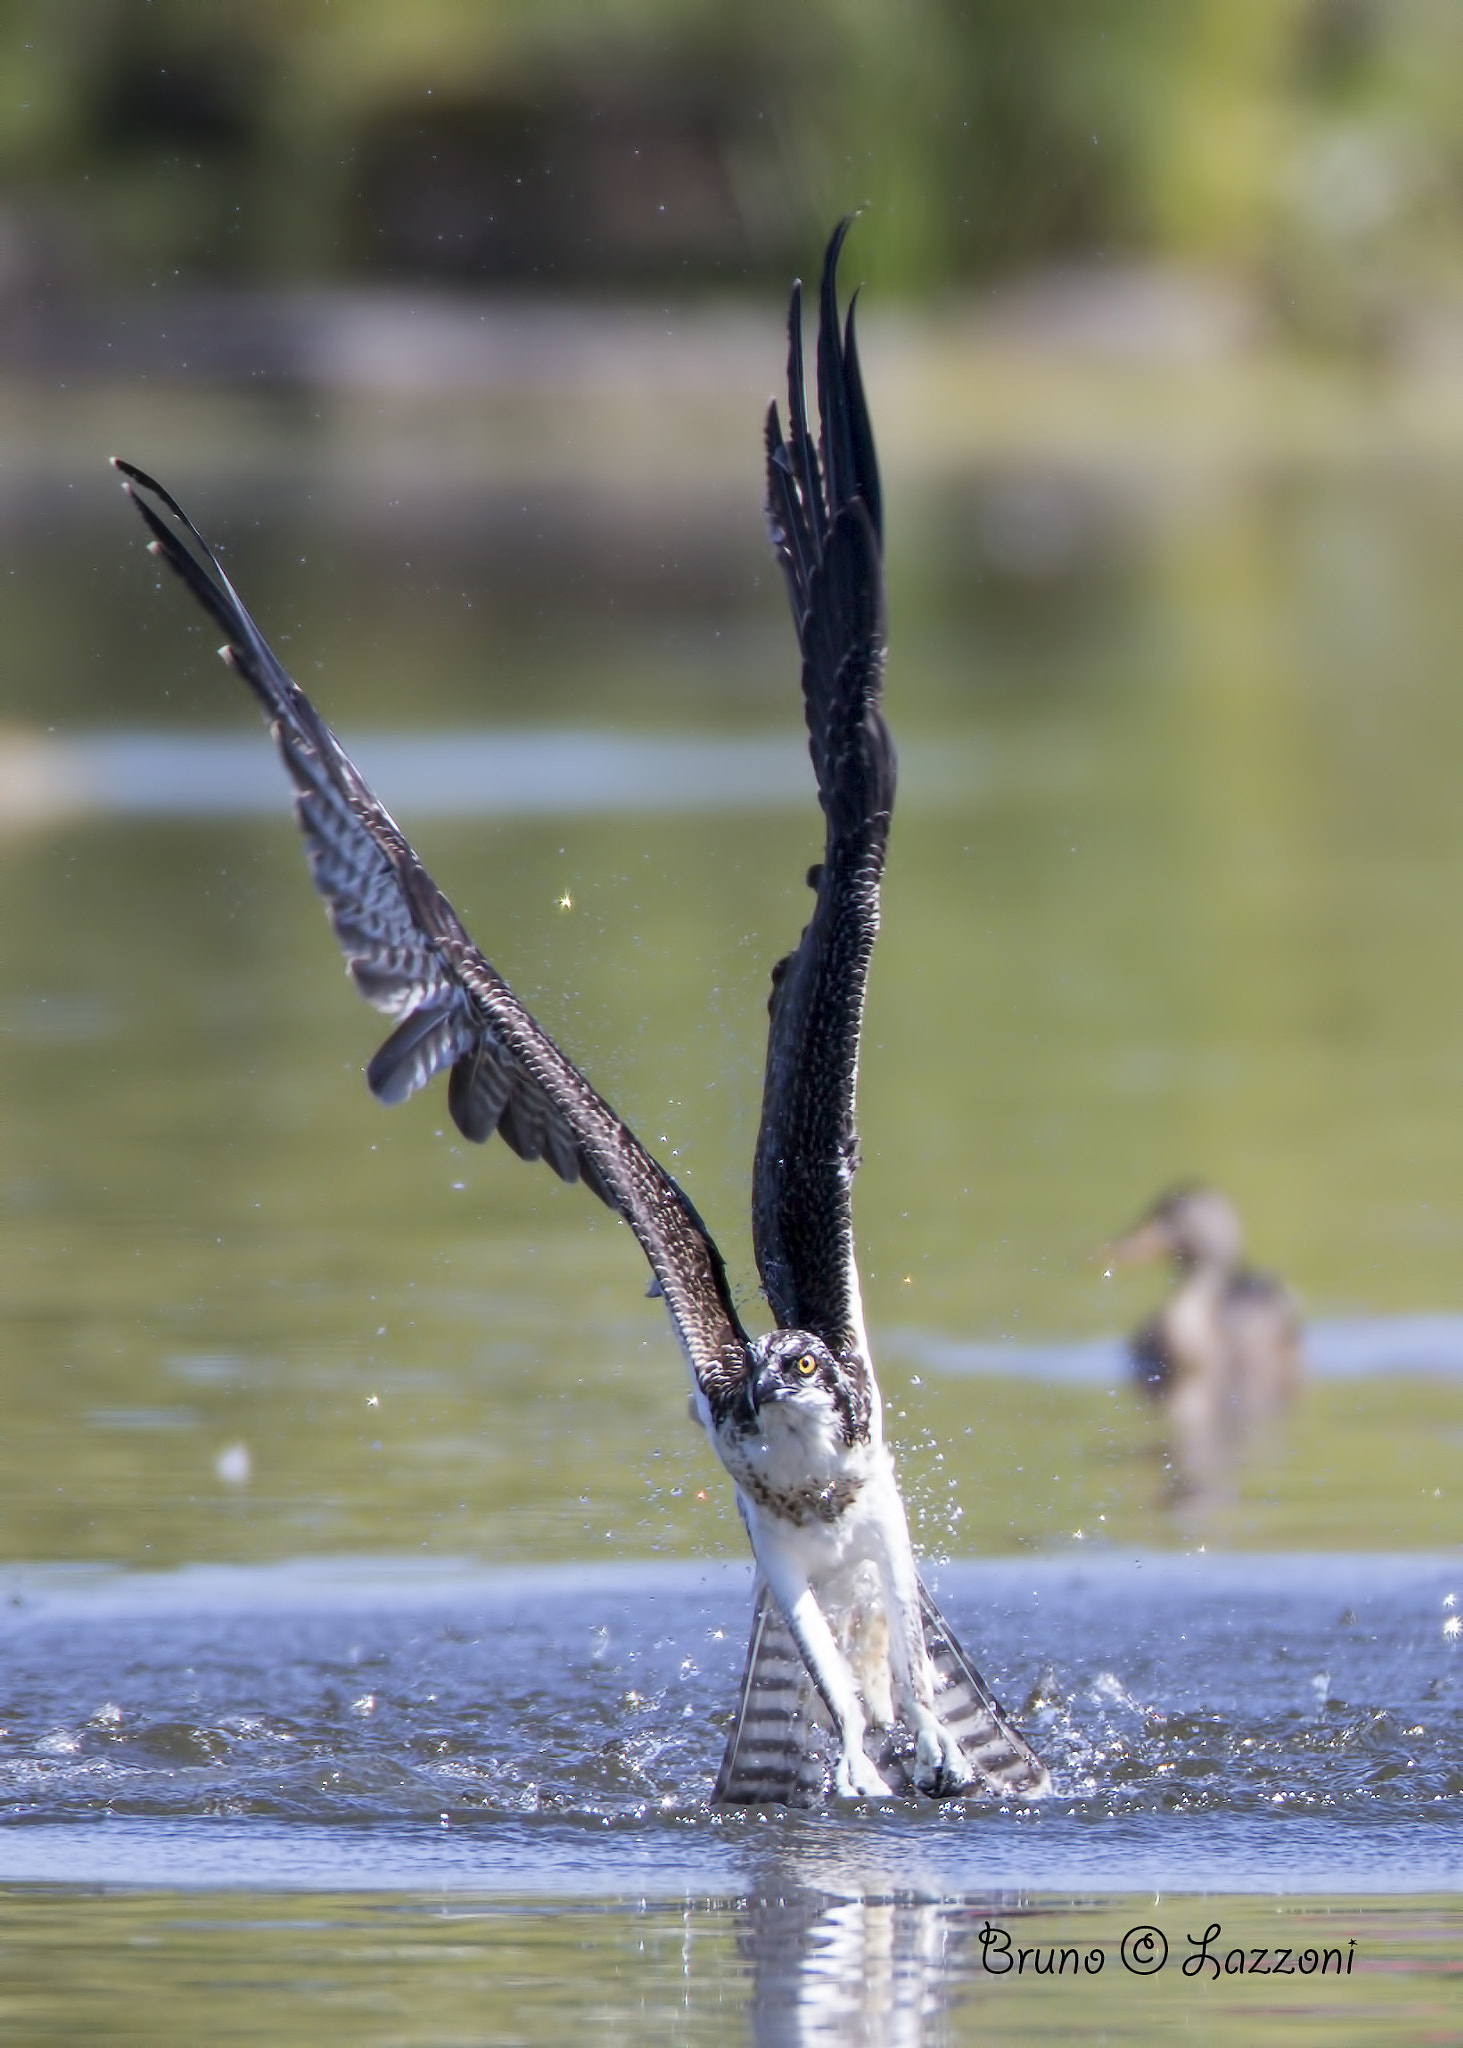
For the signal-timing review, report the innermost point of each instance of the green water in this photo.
(1176, 897)
(379, 1970)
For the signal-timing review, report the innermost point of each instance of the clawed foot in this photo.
(856, 1778)
(941, 1769)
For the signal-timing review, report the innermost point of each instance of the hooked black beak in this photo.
(769, 1386)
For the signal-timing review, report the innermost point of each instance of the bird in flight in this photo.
(848, 1651)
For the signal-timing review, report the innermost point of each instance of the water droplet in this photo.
(234, 1465)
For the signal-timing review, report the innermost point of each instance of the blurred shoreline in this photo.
(1158, 379)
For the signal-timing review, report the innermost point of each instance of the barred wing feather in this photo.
(410, 956)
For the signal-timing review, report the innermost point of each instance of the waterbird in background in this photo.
(1223, 1355)
(845, 1639)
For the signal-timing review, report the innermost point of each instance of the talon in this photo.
(856, 1778)
(942, 1770)
(941, 1782)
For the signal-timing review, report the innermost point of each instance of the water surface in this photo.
(522, 1759)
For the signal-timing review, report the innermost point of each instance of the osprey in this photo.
(844, 1638)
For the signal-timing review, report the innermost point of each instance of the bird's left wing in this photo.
(410, 957)
(823, 514)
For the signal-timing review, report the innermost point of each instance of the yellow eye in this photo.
(807, 1365)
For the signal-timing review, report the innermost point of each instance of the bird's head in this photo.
(796, 1371)
(1193, 1225)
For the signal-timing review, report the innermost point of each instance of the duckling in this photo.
(1224, 1353)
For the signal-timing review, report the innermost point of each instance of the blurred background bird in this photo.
(1224, 1353)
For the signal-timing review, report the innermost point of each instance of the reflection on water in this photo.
(703, 1971)
(867, 1968)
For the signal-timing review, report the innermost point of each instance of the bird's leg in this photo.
(854, 1776)
(941, 1767)
(865, 1639)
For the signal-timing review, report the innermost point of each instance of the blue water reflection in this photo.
(1359, 1348)
(513, 773)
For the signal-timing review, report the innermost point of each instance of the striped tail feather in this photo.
(779, 1751)
(964, 1702)
(771, 1758)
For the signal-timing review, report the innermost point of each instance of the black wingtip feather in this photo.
(198, 567)
(851, 469)
(865, 460)
(838, 475)
(809, 485)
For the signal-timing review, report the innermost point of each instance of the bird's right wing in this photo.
(411, 958)
(823, 514)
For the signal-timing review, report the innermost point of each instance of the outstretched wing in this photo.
(411, 958)
(823, 512)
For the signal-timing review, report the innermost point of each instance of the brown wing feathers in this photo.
(411, 958)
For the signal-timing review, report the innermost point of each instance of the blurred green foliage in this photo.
(1314, 145)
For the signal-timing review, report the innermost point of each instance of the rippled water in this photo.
(559, 1729)
(524, 1759)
